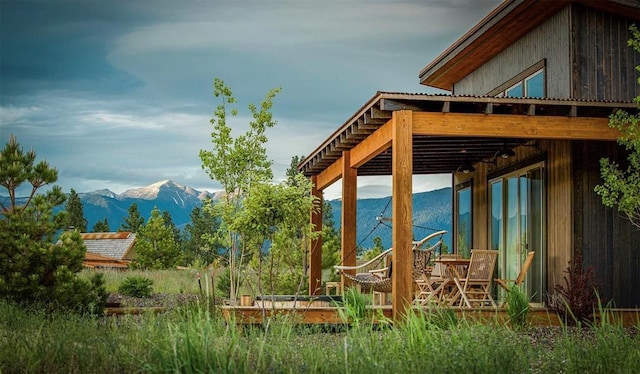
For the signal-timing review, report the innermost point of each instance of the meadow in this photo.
(194, 338)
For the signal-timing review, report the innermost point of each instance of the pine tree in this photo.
(168, 221)
(75, 214)
(37, 267)
(101, 226)
(133, 221)
(199, 243)
(155, 246)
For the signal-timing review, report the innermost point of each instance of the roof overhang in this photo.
(451, 130)
(507, 23)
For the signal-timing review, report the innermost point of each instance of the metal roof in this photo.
(437, 154)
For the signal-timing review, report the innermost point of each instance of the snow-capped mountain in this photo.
(167, 195)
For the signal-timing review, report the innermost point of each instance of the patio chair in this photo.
(504, 283)
(371, 278)
(475, 288)
(431, 285)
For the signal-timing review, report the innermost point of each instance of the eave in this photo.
(450, 130)
(499, 29)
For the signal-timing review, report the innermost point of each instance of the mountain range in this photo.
(432, 209)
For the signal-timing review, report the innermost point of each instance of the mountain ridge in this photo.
(431, 209)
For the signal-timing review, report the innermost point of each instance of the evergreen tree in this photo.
(37, 267)
(101, 226)
(75, 214)
(168, 221)
(133, 221)
(155, 246)
(331, 240)
(199, 243)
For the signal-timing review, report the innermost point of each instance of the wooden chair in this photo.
(431, 285)
(504, 283)
(475, 288)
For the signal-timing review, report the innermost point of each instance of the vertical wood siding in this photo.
(603, 63)
(609, 241)
(549, 41)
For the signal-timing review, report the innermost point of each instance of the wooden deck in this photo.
(538, 316)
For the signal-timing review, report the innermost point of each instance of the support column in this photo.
(402, 171)
(348, 219)
(315, 253)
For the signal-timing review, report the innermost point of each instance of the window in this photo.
(463, 219)
(529, 83)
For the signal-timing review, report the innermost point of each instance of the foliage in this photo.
(517, 307)
(101, 226)
(355, 309)
(136, 286)
(155, 245)
(198, 246)
(621, 186)
(576, 301)
(37, 268)
(376, 250)
(168, 221)
(196, 339)
(237, 164)
(75, 215)
(133, 221)
(276, 216)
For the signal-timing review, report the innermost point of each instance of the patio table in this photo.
(454, 270)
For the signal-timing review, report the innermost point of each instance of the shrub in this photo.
(576, 301)
(136, 286)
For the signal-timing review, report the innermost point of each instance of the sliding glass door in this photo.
(517, 225)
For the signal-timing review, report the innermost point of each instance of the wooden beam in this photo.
(513, 126)
(371, 146)
(315, 252)
(330, 175)
(402, 170)
(348, 219)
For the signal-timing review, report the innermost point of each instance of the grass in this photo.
(196, 339)
(164, 281)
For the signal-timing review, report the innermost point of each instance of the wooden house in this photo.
(522, 131)
(113, 250)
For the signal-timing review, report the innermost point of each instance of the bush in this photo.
(136, 286)
(576, 301)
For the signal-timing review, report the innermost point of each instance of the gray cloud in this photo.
(118, 94)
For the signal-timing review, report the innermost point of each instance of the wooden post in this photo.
(348, 219)
(315, 253)
(402, 172)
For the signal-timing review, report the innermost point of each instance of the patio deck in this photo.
(538, 316)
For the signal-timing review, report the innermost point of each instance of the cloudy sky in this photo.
(117, 94)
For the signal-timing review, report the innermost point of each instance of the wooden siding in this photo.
(550, 41)
(609, 243)
(603, 65)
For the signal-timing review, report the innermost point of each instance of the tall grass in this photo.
(171, 281)
(196, 339)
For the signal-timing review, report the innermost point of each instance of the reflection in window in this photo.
(534, 84)
(464, 219)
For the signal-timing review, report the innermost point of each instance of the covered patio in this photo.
(402, 135)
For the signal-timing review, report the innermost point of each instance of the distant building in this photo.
(109, 249)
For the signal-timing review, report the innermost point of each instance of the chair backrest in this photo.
(481, 265)
(525, 267)
(438, 268)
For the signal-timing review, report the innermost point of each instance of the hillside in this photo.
(432, 209)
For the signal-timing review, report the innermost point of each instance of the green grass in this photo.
(195, 339)
(164, 281)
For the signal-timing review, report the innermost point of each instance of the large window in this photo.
(529, 83)
(463, 219)
(517, 225)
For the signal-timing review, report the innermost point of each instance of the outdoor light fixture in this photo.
(466, 168)
(505, 153)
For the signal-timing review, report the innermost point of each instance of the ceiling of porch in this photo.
(443, 154)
